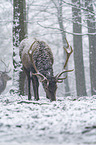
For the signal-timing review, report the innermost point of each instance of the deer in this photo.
(4, 77)
(37, 60)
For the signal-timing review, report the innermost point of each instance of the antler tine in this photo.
(30, 52)
(5, 66)
(41, 75)
(67, 43)
(33, 61)
(60, 80)
(8, 71)
(64, 71)
(68, 54)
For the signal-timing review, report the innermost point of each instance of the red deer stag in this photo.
(37, 60)
(4, 78)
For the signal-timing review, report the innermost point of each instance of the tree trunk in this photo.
(19, 33)
(92, 43)
(63, 34)
(78, 52)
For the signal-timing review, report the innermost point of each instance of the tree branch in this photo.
(76, 34)
(85, 9)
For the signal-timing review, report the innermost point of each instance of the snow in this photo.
(64, 121)
(69, 120)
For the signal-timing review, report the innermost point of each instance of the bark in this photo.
(92, 43)
(63, 34)
(78, 50)
(19, 33)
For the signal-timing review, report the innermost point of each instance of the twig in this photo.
(31, 102)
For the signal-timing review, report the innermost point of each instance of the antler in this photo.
(30, 52)
(6, 66)
(67, 58)
(68, 53)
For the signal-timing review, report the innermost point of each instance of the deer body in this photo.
(43, 59)
(37, 60)
(4, 77)
(3, 81)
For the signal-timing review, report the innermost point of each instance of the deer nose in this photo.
(53, 98)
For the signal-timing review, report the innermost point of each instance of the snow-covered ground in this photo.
(66, 121)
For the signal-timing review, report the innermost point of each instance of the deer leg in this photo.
(35, 87)
(28, 77)
(29, 89)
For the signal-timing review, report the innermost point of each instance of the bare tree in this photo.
(78, 50)
(59, 7)
(91, 23)
(19, 33)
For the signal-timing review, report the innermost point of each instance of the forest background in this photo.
(52, 21)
